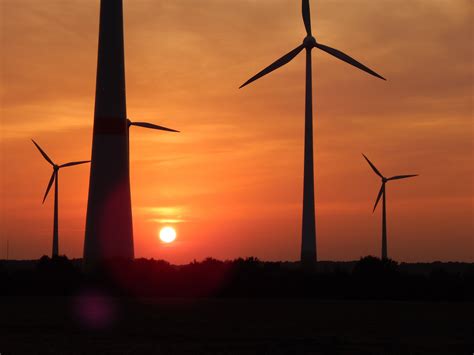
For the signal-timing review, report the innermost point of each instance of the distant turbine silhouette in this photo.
(54, 178)
(384, 212)
(308, 245)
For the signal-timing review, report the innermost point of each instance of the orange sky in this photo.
(231, 182)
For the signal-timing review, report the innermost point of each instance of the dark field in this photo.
(51, 306)
(237, 326)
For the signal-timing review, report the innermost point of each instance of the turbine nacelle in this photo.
(310, 42)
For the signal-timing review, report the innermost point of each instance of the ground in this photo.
(235, 326)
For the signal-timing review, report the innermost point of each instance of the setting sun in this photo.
(167, 235)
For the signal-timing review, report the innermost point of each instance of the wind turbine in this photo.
(54, 179)
(308, 245)
(384, 212)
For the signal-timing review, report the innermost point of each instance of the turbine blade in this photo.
(275, 65)
(43, 153)
(344, 57)
(382, 191)
(152, 126)
(373, 166)
(307, 17)
(74, 163)
(49, 185)
(398, 177)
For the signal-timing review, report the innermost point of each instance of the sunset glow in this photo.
(233, 178)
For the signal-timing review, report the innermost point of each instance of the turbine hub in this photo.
(309, 42)
(384, 180)
(56, 167)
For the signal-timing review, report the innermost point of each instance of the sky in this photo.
(232, 182)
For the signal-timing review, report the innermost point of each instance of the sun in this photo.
(167, 235)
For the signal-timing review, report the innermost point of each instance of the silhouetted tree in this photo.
(369, 278)
(372, 267)
(376, 278)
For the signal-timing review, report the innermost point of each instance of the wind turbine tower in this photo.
(109, 232)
